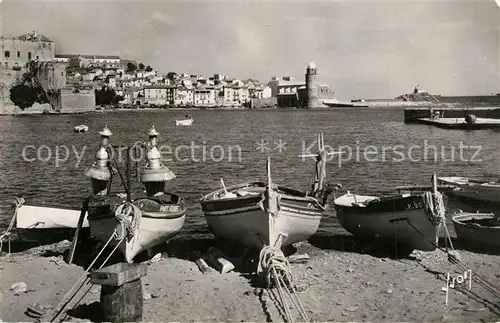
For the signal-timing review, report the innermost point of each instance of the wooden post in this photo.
(434, 184)
(121, 291)
(85, 207)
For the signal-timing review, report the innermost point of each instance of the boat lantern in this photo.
(155, 173)
(99, 172)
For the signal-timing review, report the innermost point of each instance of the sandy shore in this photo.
(344, 283)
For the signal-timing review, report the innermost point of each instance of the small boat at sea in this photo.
(477, 229)
(411, 220)
(137, 222)
(473, 190)
(258, 214)
(81, 128)
(186, 122)
(47, 223)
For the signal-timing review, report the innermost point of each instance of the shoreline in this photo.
(343, 282)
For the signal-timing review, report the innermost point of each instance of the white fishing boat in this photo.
(185, 122)
(139, 222)
(43, 223)
(150, 221)
(258, 214)
(477, 229)
(81, 128)
(473, 190)
(411, 220)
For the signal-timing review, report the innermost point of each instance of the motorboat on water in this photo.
(81, 128)
(186, 122)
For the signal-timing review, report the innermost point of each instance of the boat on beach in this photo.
(477, 229)
(151, 221)
(410, 220)
(473, 190)
(47, 223)
(81, 128)
(258, 214)
(134, 222)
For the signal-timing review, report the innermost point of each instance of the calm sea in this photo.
(384, 152)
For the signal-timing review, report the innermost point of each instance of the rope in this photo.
(276, 269)
(129, 228)
(434, 207)
(476, 277)
(79, 284)
(7, 233)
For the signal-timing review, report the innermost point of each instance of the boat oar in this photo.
(85, 207)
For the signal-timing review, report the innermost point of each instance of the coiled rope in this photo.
(434, 207)
(276, 269)
(7, 233)
(128, 228)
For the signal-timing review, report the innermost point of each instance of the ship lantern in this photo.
(99, 172)
(155, 174)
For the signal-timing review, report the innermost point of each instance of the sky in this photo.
(363, 49)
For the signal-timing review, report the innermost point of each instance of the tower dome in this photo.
(311, 65)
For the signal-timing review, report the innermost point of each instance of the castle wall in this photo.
(83, 101)
(16, 52)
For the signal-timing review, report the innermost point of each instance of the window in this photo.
(29, 55)
(6, 64)
(18, 54)
(37, 57)
(7, 54)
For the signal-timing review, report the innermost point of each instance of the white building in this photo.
(260, 92)
(159, 95)
(205, 96)
(184, 96)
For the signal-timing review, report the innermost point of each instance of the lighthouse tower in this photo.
(311, 85)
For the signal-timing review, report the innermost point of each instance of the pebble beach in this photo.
(341, 281)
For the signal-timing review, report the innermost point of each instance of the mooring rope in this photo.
(79, 284)
(483, 282)
(129, 228)
(276, 269)
(434, 207)
(8, 232)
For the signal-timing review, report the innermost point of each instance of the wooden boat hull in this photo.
(186, 122)
(154, 228)
(471, 228)
(244, 220)
(43, 223)
(402, 219)
(473, 190)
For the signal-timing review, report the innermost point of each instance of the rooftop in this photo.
(34, 36)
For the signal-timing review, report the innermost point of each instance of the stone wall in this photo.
(263, 103)
(77, 102)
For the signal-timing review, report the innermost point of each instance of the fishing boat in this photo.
(473, 190)
(410, 220)
(477, 229)
(81, 128)
(134, 222)
(258, 214)
(47, 223)
(186, 122)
